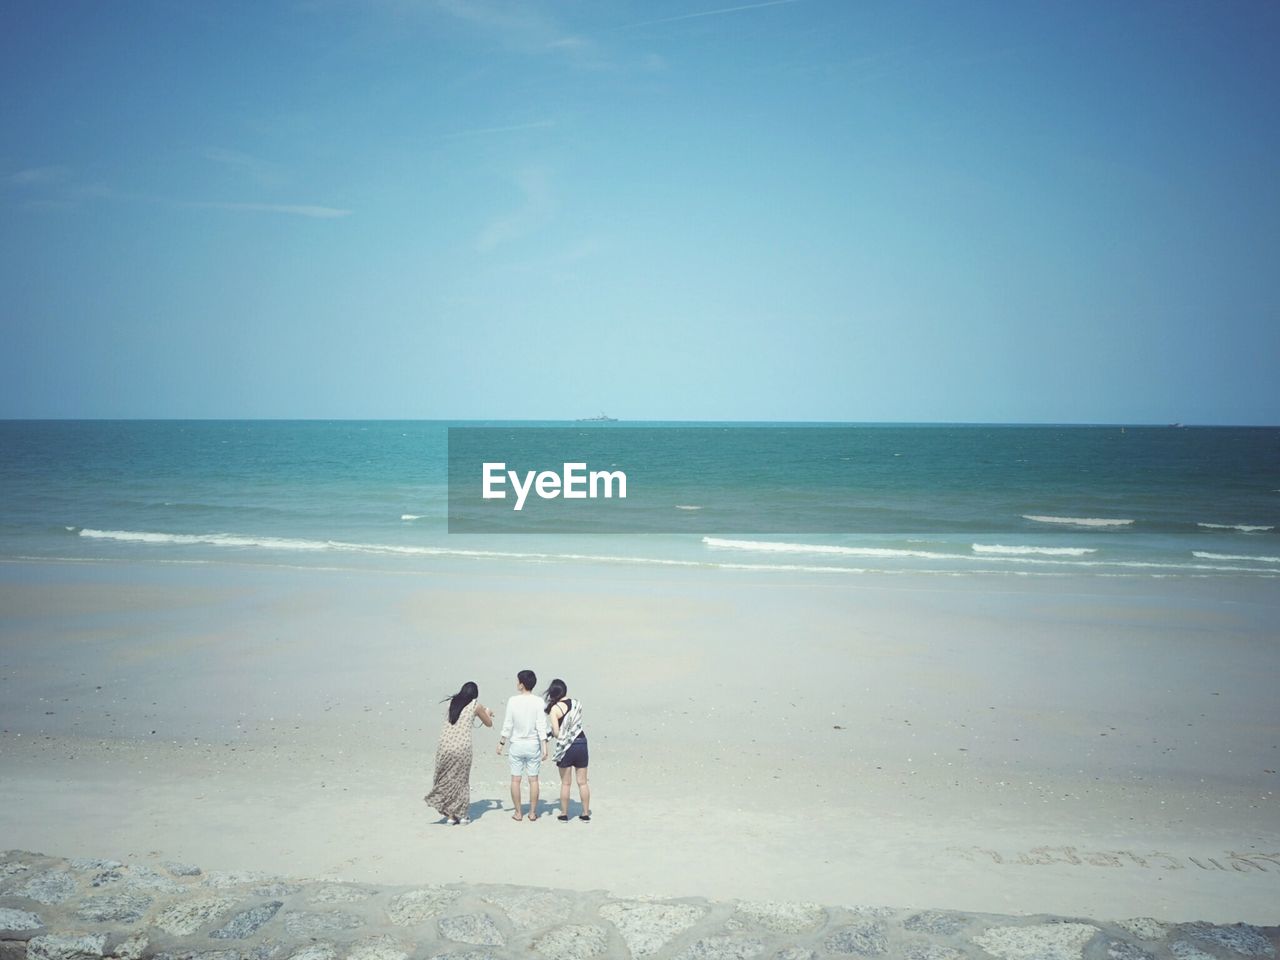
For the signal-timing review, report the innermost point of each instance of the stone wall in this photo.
(57, 909)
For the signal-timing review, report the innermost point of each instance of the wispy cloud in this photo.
(311, 210)
(511, 128)
(56, 205)
(297, 210)
(263, 171)
(537, 206)
(73, 193)
(517, 26)
(569, 43)
(912, 59)
(38, 176)
(709, 13)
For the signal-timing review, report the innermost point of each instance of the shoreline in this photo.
(974, 746)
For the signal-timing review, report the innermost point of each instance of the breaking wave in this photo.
(1242, 527)
(1078, 521)
(232, 540)
(953, 564)
(210, 539)
(771, 546)
(1205, 555)
(999, 549)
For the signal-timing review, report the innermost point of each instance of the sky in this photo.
(672, 209)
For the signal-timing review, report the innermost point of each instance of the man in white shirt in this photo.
(525, 728)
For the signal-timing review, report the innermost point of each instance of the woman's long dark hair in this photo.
(460, 699)
(556, 691)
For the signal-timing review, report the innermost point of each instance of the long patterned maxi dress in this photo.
(451, 792)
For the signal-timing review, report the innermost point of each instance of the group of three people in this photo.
(528, 725)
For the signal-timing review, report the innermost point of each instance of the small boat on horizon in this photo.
(602, 418)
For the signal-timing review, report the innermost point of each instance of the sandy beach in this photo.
(1102, 747)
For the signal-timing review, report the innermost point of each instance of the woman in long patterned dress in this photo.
(451, 791)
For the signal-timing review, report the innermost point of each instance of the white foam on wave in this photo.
(411, 516)
(341, 547)
(1242, 527)
(1206, 555)
(1078, 521)
(1000, 549)
(687, 506)
(1066, 565)
(773, 546)
(230, 540)
(1094, 566)
(210, 539)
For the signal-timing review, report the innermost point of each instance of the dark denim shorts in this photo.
(576, 755)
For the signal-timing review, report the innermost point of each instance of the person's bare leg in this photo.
(515, 799)
(533, 797)
(566, 778)
(584, 791)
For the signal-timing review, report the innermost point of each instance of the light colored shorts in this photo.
(525, 757)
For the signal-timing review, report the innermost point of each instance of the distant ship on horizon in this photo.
(602, 418)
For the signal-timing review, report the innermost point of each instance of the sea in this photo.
(921, 500)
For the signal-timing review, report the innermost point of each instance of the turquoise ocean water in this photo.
(927, 500)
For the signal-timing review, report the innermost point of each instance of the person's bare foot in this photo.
(517, 816)
(533, 817)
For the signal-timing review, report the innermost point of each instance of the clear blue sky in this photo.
(674, 209)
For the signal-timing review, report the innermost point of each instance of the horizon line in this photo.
(634, 421)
